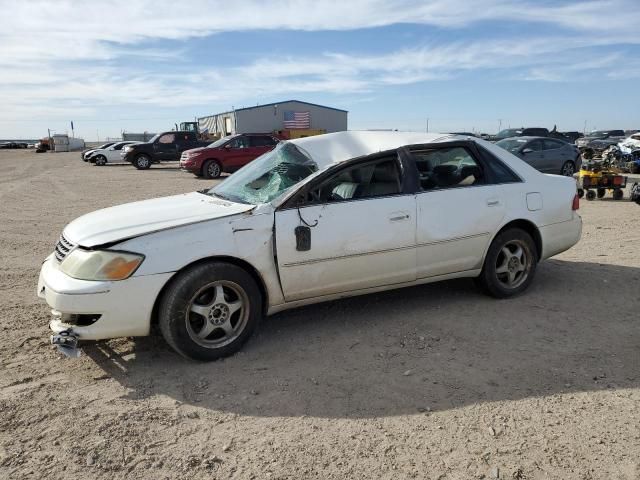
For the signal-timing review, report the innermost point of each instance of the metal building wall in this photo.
(216, 123)
(267, 118)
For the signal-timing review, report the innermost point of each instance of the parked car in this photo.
(315, 219)
(13, 145)
(84, 154)
(598, 140)
(547, 155)
(164, 147)
(521, 132)
(102, 156)
(227, 154)
(464, 134)
(572, 136)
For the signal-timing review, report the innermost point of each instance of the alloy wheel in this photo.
(513, 264)
(217, 314)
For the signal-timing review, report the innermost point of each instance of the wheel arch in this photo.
(529, 227)
(217, 258)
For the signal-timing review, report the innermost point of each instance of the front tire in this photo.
(210, 310)
(142, 162)
(211, 169)
(510, 264)
(100, 160)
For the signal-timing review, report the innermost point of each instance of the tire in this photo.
(142, 162)
(210, 310)
(568, 169)
(211, 169)
(580, 193)
(601, 192)
(100, 160)
(618, 194)
(503, 275)
(590, 195)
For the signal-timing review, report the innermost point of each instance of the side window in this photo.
(118, 146)
(446, 168)
(552, 145)
(261, 141)
(167, 138)
(536, 145)
(239, 142)
(370, 180)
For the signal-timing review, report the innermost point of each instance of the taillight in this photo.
(576, 202)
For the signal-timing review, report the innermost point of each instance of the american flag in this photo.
(294, 120)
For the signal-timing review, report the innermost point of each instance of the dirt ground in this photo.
(435, 382)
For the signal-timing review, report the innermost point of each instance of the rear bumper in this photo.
(558, 237)
(124, 308)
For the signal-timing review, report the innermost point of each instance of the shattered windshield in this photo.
(268, 176)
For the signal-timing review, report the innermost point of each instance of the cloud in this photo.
(73, 50)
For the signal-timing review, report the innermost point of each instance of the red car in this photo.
(227, 154)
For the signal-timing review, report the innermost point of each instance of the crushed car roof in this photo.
(341, 146)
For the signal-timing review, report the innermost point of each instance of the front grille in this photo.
(63, 247)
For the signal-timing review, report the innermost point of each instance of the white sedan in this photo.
(316, 219)
(102, 156)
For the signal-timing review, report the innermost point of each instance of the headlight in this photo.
(100, 264)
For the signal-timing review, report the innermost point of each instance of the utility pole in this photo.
(499, 125)
(427, 124)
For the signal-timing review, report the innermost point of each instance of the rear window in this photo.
(500, 172)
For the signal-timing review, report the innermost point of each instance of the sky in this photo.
(445, 65)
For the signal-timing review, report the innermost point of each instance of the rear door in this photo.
(533, 154)
(361, 232)
(555, 154)
(459, 209)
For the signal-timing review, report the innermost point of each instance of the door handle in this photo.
(399, 218)
(492, 202)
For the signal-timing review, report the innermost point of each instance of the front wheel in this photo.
(210, 310)
(510, 264)
(211, 169)
(100, 160)
(568, 169)
(142, 162)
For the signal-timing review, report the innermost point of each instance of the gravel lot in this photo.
(436, 382)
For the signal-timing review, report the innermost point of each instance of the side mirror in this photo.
(227, 146)
(527, 150)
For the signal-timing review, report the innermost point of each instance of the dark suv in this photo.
(227, 154)
(164, 147)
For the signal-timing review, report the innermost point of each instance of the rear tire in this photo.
(210, 310)
(590, 195)
(211, 169)
(510, 264)
(142, 162)
(568, 169)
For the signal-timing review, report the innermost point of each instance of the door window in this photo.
(167, 138)
(261, 141)
(239, 142)
(118, 146)
(447, 168)
(374, 179)
(552, 144)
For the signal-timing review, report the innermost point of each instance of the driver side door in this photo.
(360, 227)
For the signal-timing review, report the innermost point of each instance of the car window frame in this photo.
(406, 185)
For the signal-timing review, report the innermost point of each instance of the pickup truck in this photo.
(164, 147)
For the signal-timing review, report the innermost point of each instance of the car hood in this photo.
(134, 219)
(197, 150)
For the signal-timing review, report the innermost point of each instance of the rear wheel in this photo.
(510, 264)
(142, 162)
(211, 169)
(580, 193)
(590, 195)
(210, 310)
(100, 160)
(568, 169)
(618, 194)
